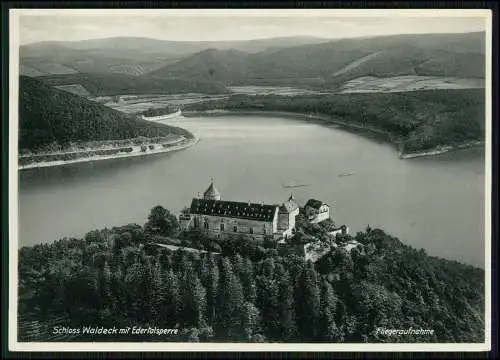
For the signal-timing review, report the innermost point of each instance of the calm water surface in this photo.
(435, 203)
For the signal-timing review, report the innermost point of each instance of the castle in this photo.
(219, 218)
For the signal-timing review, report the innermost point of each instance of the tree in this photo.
(193, 304)
(170, 306)
(251, 320)
(248, 280)
(230, 302)
(267, 301)
(375, 306)
(135, 291)
(328, 330)
(210, 280)
(156, 293)
(104, 286)
(287, 327)
(307, 304)
(118, 289)
(161, 222)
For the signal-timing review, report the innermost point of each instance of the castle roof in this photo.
(314, 203)
(289, 205)
(233, 209)
(211, 191)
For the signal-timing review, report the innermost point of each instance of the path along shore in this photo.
(112, 153)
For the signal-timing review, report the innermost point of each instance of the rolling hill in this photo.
(130, 55)
(53, 117)
(333, 63)
(209, 64)
(50, 58)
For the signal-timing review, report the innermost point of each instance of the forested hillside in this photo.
(330, 64)
(209, 64)
(100, 84)
(53, 118)
(247, 291)
(415, 121)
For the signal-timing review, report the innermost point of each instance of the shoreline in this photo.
(183, 143)
(441, 150)
(438, 150)
(321, 118)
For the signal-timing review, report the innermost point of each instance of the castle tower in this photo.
(211, 193)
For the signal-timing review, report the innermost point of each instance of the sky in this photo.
(45, 25)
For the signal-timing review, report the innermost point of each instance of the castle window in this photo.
(251, 231)
(205, 225)
(221, 227)
(235, 228)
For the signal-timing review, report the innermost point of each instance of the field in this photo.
(270, 90)
(134, 104)
(408, 83)
(76, 89)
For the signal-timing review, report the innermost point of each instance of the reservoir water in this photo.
(434, 203)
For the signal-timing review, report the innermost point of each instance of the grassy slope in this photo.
(49, 116)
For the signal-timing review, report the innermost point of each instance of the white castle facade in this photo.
(219, 218)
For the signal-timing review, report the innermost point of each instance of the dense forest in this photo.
(51, 119)
(101, 84)
(415, 121)
(245, 291)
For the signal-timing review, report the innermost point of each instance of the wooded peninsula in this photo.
(415, 121)
(246, 291)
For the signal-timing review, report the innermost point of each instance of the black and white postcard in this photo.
(285, 180)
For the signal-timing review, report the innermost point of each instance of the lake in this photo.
(433, 203)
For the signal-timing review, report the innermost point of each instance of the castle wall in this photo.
(317, 215)
(283, 221)
(219, 226)
(293, 216)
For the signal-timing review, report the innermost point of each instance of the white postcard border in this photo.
(14, 345)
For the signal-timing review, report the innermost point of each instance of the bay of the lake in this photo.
(435, 203)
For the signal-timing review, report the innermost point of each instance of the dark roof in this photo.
(314, 203)
(233, 209)
(283, 209)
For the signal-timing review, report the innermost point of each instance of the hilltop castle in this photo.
(219, 218)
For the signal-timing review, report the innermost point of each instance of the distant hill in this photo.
(49, 116)
(148, 45)
(130, 55)
(50, 58)
(332, 63)
(210, 64)
(100, 84)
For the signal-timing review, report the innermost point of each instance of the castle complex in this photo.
(219, 218)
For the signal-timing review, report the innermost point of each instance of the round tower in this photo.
(211, 193)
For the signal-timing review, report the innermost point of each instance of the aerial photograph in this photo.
(251, 177)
